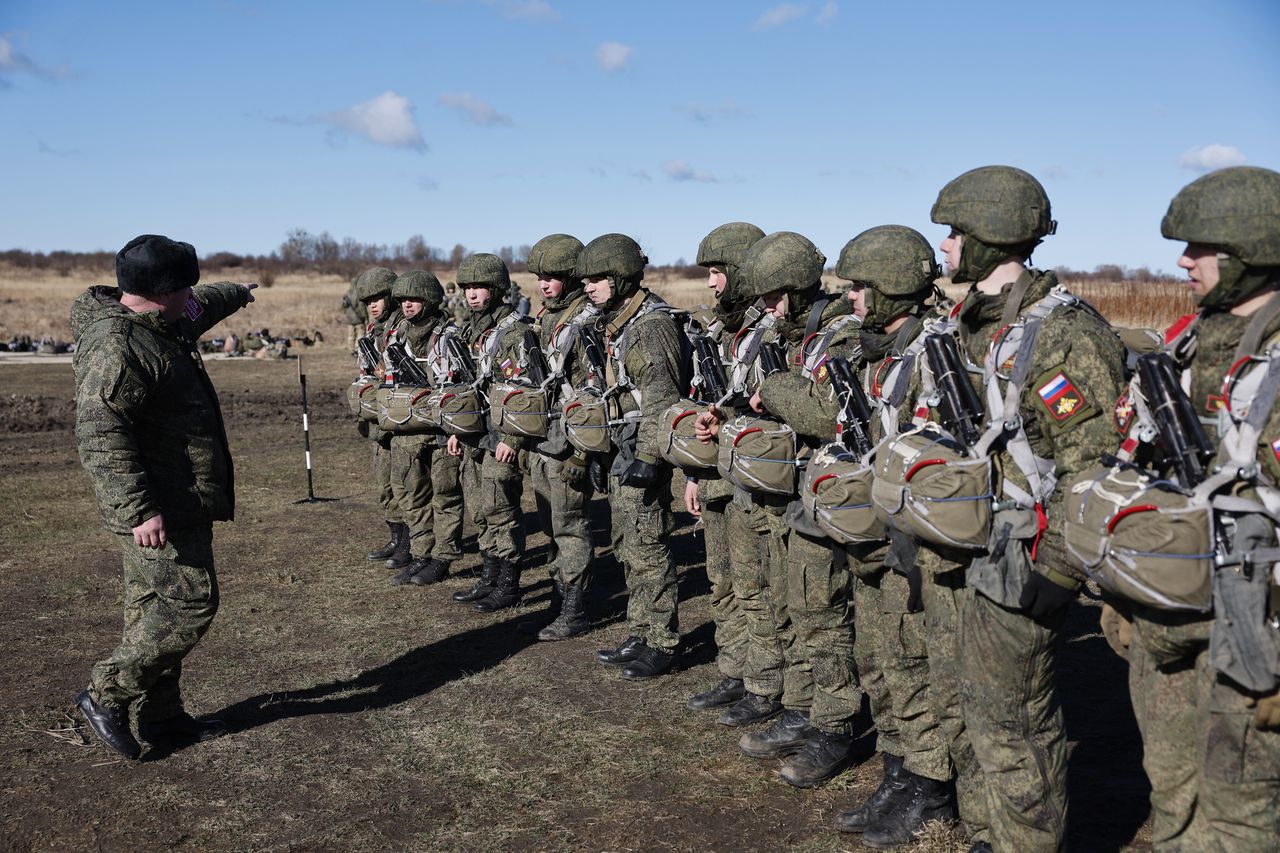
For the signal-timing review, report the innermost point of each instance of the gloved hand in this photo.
(1266, 715)
(1042, 597)
(638, 473)
(598, 471)
(1117, 629)
(574, 470)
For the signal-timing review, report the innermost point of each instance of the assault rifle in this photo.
(369, 357)
(1178, 430)
(460, 359)
(772, 359)
(406, 366)
(854, 406)
(593, 349)
(714, 386)
(958, 402)
(536, 360)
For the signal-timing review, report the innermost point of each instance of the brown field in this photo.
(372, 717)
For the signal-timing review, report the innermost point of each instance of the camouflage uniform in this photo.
(356, 316)
(151, 437)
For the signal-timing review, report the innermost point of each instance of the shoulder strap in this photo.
(1251, 340)
(815, 315)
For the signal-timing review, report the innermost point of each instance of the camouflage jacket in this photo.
(808, 405)
(148, 426)
(1076, 374)
(652, 366)
(552, 317)
(477, 331)
(353, 309)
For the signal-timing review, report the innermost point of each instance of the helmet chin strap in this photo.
(1237, 281)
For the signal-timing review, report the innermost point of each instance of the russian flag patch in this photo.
(1275, 448)
(1060, 397)
(193, 309)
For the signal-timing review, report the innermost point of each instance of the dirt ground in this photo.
(368, 717)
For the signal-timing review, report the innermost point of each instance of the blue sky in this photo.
(494, 122)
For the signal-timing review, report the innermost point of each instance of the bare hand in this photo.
(691, 500)
(706, 426)
(151, 533)
(504, 454)
(453, 447)
(756, 405)
(249, 287)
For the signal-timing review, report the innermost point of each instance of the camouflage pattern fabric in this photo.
(491, 491)
(383, 466)
(446, 505)
(758, 557)
(819, 592)
(640, 528)
(726, 611)
(563, 517)
(653, 365)
(170, 598)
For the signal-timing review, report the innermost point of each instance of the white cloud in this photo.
(827, 14)
(709, 112)
(613, 56)
(783, 13)
(387, 120)
(14, 61)
(1206, 158)
(528, 10)
(478, 111)
(679, 170)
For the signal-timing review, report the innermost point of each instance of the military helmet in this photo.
(784, 260)
(450, 287)
(615, 256)
(374, 283)
(555, 256)
(1236, 210)
(728, 244)
(893, 259)
(419, 284)
(1000, 205)
(483, 270)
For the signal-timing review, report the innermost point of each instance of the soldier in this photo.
(1050, 363)
(374, 290)
(356, 315)
(1204, 686)
(455, 303)
(151, 437)
(421, 299)
(558, 470)
(644, 375)
(490, 463)
(892, 269)
(707, 497)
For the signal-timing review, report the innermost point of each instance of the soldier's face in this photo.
(599, 289)
(776, 304)
(1201, 263)
(476, 297)
(950, 249)
(717, 280)
(377, 308)
(550, 287)
(411, 307)
(858, 296)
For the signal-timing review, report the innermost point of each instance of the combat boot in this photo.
(789, 733)
(180, 729)
(414, 566)
(482, 587)
(649, 663)
(894, 788)
(572, 620)
(399, 531)
(751, 708)
(626, 652)
(727, 691)
(506, 592)
(434, 571)
(111, 724)
(400, 557)
(823, 755)
(926, 800)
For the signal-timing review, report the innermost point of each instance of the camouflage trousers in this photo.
(758, 564)
(446, 504)
(1014, 719)
(562, 514)
(893, 667)
(640, 529)
(726, 613)
(1215, 778)
(382, 477)
(170, 597)
(944, 595)
(413, 460)
(819, 595)
(491, 490)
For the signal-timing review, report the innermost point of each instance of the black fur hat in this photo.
(151, 265)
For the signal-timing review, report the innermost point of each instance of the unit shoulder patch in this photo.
(1124, 410)
(1062, 399)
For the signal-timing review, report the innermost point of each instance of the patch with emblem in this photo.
(1275, 449)
(507, 366)
(820, 373)
(1061, 398)
(1214, 402)
(1123, 413)
(193, 309)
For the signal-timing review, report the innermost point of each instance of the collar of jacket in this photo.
(623, 315)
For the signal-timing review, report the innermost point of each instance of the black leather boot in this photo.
(506, 592)
(823, 755)
(482, 587)
(649, 663)
(926, 800)
(390, 548)
(414, 566)
(182, 729)
(624, 653)
(893, 789)
(728, 691)
(110, 724)
(400, 557)
(751, 708)
(572, 620)
(788, 734)
(434, 571)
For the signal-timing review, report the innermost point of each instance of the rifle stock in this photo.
(855, 407)
(959, 404)
(1179, 431)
